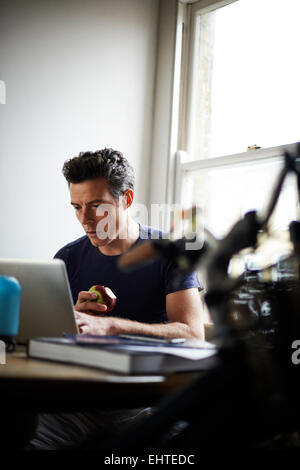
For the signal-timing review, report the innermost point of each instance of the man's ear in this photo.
(127, 198)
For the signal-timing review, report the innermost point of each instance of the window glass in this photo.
(247, 78)
(226, 194)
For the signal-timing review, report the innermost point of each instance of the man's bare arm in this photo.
(184, 312)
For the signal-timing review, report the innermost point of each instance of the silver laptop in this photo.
(46, 302)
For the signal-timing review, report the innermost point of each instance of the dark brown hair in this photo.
(107, 163)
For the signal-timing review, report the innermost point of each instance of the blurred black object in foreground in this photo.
(250, 400)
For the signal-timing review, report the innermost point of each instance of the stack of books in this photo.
(127, 354)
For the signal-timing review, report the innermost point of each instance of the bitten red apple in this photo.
(105, 296)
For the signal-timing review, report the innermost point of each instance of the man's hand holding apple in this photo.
(98, 300)
(90, 308)
(86, 304)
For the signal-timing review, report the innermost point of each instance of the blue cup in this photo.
(10, 297)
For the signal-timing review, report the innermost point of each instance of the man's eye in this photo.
(76, 208)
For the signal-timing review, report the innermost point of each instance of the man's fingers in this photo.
(83, 304)
(85, 295)
(91, 307)
(84, 330)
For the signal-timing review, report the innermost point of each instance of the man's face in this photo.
(97, 210)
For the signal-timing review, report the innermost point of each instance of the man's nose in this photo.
(86, 215)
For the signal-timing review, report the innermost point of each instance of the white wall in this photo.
(79, 76)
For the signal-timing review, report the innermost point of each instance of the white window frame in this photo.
(183, 112)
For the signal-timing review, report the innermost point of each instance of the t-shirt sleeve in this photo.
(174, 280)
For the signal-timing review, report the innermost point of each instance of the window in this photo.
(240, 91)
(225, 193)
(246, 77)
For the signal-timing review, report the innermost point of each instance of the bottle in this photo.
(10, 297)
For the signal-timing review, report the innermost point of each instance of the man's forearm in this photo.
(167, 330)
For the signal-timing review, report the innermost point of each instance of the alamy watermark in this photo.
(2, 352)
(296, 354)
(2, 92)
(171, 220)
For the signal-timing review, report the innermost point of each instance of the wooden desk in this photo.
(37, 385)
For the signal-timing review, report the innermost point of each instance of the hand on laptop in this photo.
(83, 304)
(95, 325)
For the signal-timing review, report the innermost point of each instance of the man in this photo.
(101, 190)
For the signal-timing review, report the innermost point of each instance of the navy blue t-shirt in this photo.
(141, 293)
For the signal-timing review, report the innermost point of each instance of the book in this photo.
(125, 355)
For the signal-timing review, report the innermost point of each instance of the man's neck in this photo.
(124, 241)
